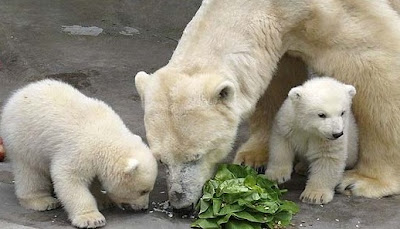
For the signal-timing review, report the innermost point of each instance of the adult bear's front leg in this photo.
(377, 108)
(291, 72)
(376, 174)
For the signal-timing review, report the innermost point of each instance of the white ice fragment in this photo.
(129, 31)
(81, 30)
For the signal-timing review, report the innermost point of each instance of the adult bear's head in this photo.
(222, 65)
(191, 123)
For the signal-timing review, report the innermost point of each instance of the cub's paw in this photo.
(40, 204)
(316, 196)
(255, 159)
(280, 174)
(89, 220)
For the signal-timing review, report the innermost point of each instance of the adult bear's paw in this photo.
(356, 184)
(257, 159)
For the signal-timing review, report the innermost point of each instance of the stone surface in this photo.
(33, 46)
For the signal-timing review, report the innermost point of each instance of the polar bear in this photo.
(221, 73)
(53, 134)
(316, 124)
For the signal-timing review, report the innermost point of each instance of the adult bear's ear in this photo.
(131, 166)
(141, 80)
(351, 90)
(295, 93)
(225, 91)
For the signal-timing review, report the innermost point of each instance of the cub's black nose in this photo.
(337, 135)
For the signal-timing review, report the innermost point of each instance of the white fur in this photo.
(54, 134)
(299, 130)
(244, 42)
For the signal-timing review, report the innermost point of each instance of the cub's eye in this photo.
(342, 113)
(144, 192)
(321, 115)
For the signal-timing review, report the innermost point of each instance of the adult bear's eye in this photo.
(342, 113)
(321, 115)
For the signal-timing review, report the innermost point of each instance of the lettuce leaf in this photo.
(238, 197)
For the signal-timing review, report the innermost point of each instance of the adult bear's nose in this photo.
(337, 135)
(176, 196)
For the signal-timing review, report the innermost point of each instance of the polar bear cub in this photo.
(315, 123)
(53, 134)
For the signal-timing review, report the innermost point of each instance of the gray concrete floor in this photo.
(33, 46)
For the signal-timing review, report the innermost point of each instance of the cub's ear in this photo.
(131, 166)
(351, 90)
(225, 91)
(295, 93)
(141, 80)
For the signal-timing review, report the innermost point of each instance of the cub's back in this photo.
(48, 115)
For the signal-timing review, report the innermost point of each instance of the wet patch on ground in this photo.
(76, 79)
(79, 80)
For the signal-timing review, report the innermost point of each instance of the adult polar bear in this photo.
(225, 61)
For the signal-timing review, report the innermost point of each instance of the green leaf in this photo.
(223, 173)
(264, 207)
(216, 205)
(232, 186)
(252, 196)
(263, 182)
(239, 198)
(233, 198)
(252, 217)
(241, 171)
(208, 214)
(289, 206)
(224, 219)
(206, 224)
(204, 205)
(229, 209)
(209, 190)
(250, 181)
(238, 224)
(283, 217)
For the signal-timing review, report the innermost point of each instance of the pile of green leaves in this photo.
(239, 198)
